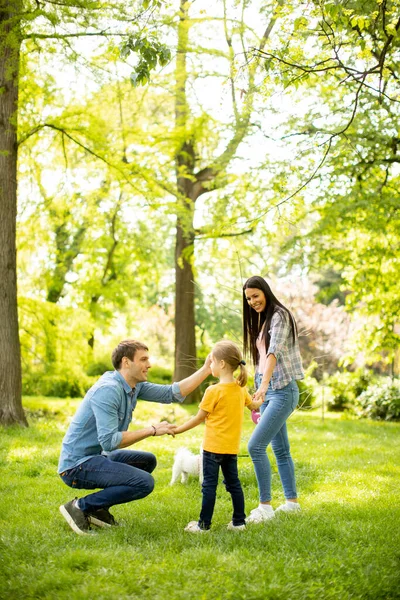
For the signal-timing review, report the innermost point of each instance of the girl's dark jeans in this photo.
(211, 464)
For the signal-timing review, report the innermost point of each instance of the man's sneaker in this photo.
(233, 527)
(193, 527)
(75, 517)
(101, 517)
(259, 515)
(289, 507)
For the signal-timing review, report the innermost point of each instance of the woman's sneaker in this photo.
(233, 527)
(289, 508)
(75, 517)
(101, 517)
(193, 527)
(259, 515)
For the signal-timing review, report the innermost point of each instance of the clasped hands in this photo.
(259, 395)
(164, 428)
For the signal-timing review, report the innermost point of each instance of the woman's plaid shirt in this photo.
(287, 353)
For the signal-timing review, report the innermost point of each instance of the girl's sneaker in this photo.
(193, 527)
(259, 515)
(233, 527)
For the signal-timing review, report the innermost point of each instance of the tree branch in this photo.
(276, 206)
(231, 64)
(62, 36)
(203, 235)
(242, 123)
(122, 172)
(110, 255)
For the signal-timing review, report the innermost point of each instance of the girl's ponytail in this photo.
(242, 378)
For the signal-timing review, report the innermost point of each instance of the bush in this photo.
(99, 368)
(346, 386)
(342, 391)
(380, 402)
(61, 385)
(362, 380)
(160, 375)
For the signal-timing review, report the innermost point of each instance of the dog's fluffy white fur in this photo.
(186, 463)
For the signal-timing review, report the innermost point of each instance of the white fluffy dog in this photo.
(186, 463)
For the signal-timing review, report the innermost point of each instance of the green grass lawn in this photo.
(344, 545)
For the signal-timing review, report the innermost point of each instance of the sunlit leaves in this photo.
(150, 53)
(148, 4)
(352, 226)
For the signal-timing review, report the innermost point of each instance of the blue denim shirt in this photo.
(104, 413)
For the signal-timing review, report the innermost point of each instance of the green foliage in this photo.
(160, 375)
(380, 401)
(150, 52)
(330, 285)
(147, 4)
(55, 350)
(342, 393)
(307, 395)
(99, 367)
(214, 319)
(345, 387)
(51, 334)
(66, 384)
(88, 248)
(116, 152)
(115, 156)
(350, 224)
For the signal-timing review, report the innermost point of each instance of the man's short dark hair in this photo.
(126, 348)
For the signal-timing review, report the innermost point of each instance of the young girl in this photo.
(222, 410)
(270, 336)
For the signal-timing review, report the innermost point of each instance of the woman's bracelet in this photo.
(155, 430)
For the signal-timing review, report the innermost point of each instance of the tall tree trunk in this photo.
(185, 339)
(185, 342)
(10, 354)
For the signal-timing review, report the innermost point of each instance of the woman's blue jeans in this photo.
(271, 429)
(124, 475)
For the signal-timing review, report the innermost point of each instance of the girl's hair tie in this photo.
(242, 362)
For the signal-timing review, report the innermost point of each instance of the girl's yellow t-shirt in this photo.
(224, 403)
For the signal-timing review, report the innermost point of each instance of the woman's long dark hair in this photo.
(253, 321)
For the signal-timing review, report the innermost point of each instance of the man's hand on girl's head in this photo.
(207, 363)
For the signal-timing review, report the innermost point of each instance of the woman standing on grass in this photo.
(270, 337)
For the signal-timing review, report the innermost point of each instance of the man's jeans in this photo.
(124, 475)
(271, 429)
(211, 464)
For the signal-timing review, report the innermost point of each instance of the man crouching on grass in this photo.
(91, 457)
